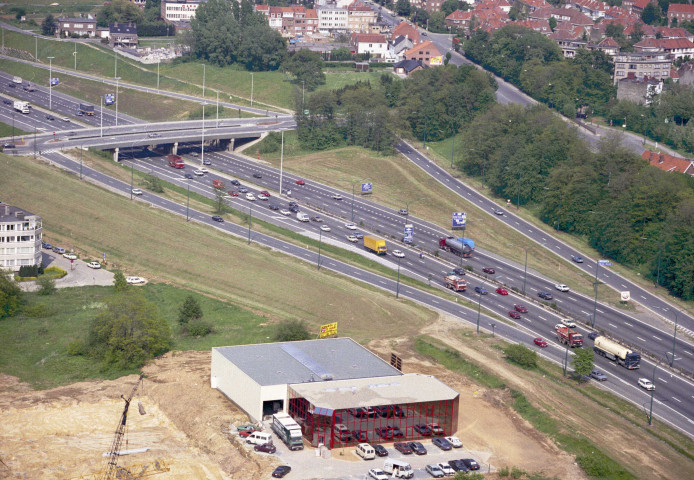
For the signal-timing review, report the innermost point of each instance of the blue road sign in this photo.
(459, 219)
(367, 188)
(409, 233)
(109, 99)
(55, 81)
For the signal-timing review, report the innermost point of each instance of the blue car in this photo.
(481, 290)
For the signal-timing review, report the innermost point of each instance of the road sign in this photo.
(109, 99)
(409, 233)
(459, 219)
(604, 263)
(104, 256)
(625, 296)
(367, 188)
(55, 81)
(328, 329)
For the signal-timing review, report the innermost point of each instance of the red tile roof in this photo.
(369, 38)
(668, 163)
(680, 8)
(459, 15)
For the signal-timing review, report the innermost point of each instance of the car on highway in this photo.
(257, 175)
(352, 238)
(481, 290)
(50, 117)
(577, 259)
(417, 448)
(316, 219)
(514, 314)
(80, 113)
(7, 101)
(243, 189)
(235, 182)
(206, 162)
(203, 170)
(398, 253)
(9, 145)
(520, 308)
(137, 191)
(434, 470)
(294, 208)
(459, 271)
(65, 119)
(545, 295)
(70, 256)
(325, 228)
(233, 193)
(273, 206)
(561, 287)
(198, 172)
(195, 154)
(442, 443)
(336, 196)
(300, 182)
(134, 280)
(250, 196)
(378, 474)
(540, 342)
(285, 212)
(446, 469)
(593, 335)
(153, 135)
(403, 448)
(265, 192)
(359, 235)
(471, 464)
(455, 442)
(265, 447)
(403, 211)
(380, 450)
(263, 197)
(497, 211)
(281, 471)
(646, 384)
(94, 265)
(188, 176)
(350, 226)
(569, 323)
(489, 270)
(559, 325)
(501, 291)
(598, 375)
(217, 218)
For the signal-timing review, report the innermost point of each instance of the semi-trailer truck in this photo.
(458, 246)
(375, 244)
(175, 161)
(21, 106)
(87, 109)
(572, 337)
(455, 283)
(288, 431)
(616, 352)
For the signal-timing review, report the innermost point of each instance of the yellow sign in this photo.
(436, 60)
(327, 330)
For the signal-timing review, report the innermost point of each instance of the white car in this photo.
(559, 325)
(134, 280)
(285, 212)
(455, 441)
(262, 197)
(350, 226)
(378, 474)
(95, 265)
(70, 256)
(352, 238)
(203, 170)
(561, 287)
(398, 253)
(569, 323)
(446, 469)
(325, 228)
(65, 119)
(137, 191)
(250, 196)
(646, 384)
(198, 172)
(337, 196)
(435, 471)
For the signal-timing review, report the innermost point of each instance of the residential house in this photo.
(332, 20)
(20, 238)
(122, 34)
(373, 44)
(609, 46)
(432, 5)
(360, 18)
(139, 3)
(674, 32)
(591, 8)
(459, 19)
(669, 163)
(566, 18)
(77, 26)
(426, 52)
(405, 68)
(406, 29)
(173, 11)
(533, 5)
(680, 12)
(540, 26)
(400, 45)
(676, 47)
(641, 64)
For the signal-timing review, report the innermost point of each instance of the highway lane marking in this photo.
(662, 379)
(643, 297)
(677, 399)
(600, 311)
(657, 338)
(613, 325)
(584, 312)
(642, 339)
(434, 301)
(543, 318)
(382, 282)
(543, 238)
(558, 300)
(688, 352)
(624, 286)
(573, 299)
(628, 324)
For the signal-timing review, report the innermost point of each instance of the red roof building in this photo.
(681, 12)
(669, 163)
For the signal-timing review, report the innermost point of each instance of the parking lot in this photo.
(78, 274)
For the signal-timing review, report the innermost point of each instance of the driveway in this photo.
(78, 273)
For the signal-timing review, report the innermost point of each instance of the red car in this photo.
(403, 448)
(520, 308)
(514, 314)
(233, 193)
(245, 433)
(540, 342)
(265, 192)
(502, 291)
(300, 182)
(489, 270)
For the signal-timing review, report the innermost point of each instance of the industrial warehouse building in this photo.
(338, 391)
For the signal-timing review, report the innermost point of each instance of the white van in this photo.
(398, 469)
(302, 217)
(259, 438)
(366, 451)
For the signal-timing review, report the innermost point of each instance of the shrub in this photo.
(46, 285)
(199, 328)
(469, 268)
(29, 271)
(521, 355)
(504, 472)
(55, 272)
(271, 143)
(517, 472)
(37, 311)
(75, 348)
(292, 330)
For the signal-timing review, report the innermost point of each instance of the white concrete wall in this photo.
(236, 385)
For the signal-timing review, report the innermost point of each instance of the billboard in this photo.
(109, 99)
(409, 233)
(367, 188)
(436, 60)
(55, 81)
(625, 296)
(459, 219)
(327, 330)
(604, 263)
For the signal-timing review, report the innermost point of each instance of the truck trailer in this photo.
(175, 161)
(288, 431)
(375, 244)
(566, 335)
(616, 352)
(87, 109)
(455, 283)
(458, 246)
(22, 106)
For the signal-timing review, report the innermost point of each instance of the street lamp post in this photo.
(650, 410)
(117, 79)
(217, 123)
(158, 61)
(50, 83)
(566, 357)
(452, 149)
(202, 142)
(320, 239)
(397, 286)
(132, 172)
(250, 222)
(479, 309)
(203, 80)
(525, 268)
(188, 201)
(674, 335)
(75, 55)
(492, 325)
(251, 89)
(519, 185)
(281, 161)
(81, 150)
(595, 287)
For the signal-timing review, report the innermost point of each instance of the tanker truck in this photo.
(616, 352)
(458, 246)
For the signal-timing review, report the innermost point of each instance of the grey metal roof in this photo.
(306, 361)
(8, 213)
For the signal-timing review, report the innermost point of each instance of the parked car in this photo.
(481, 290)
(501, 291)
(545, 295)
(646, 384)
(70, 256)
(58, 250)
(540, 342)
(520, 308)
(489, 270)
(471, 463)
(577, 259)
(434, 470)
(380, 450)
(378, 474)
(403, 448)
(514, 314)
(458, 466)
(281, 471)
(455, 442)
(134, 280)
(561, 287)
(446, 469)
(265, 447)
(417, 448)
(336, 196)
(46, 245)
(384, 433)
(442, 443)
(598, 375)
(398, 253)
(217, 218)
(436, 428)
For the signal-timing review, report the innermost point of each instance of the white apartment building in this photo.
(178, 10)
(20, 238)
(332, 20)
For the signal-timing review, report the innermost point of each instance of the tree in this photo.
(614, 30)
(636, 33)
(120, 11)
(582, 361)
(521, 355)
(128, 331)
(552, 23)
(11, 296)
(403, 8)
(190, 310)
(260, 49)
(449, 6)
(46, 285)
(48, 25)
(291, 331)
(651, 14)
(119, 282)
(307, 67)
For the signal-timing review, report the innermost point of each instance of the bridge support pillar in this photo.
(174, 148)
(115, 154)
(230, 145)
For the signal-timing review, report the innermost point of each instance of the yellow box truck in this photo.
(375, 244)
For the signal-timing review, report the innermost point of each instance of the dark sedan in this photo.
(403, 448)
(442, 443)
(281, 471)
(417, 448)
(380, 450)
(545, 295)
(265, 447)
(217, 218)
(481, 290)
(471, 464)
